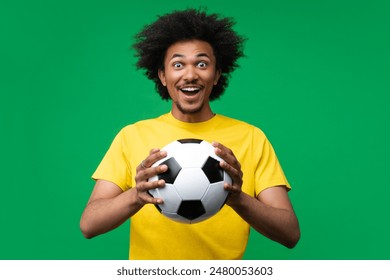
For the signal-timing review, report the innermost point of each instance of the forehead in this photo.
(192, 48)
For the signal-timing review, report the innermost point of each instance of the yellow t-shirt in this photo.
(223, 236)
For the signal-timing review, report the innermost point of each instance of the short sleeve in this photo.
(269, 172)
(115, 166)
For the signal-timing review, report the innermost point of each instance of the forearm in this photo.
(105, 214)
(280, 225)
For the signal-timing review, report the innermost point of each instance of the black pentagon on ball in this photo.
(189, 141)
(170, 175)
(213, 171)
(191, 209)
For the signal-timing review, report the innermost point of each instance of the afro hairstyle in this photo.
(152, 42)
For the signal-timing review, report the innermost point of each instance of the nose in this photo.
(190, 73)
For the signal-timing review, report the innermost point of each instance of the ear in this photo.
(217, 76)
(161, 75)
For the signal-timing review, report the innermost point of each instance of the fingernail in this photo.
(164, 168)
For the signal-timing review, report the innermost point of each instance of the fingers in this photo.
(143, 186)
(145, 171)
(231, 165)
(143, 174)
(144, 197)
(154, 155)
(227, 155)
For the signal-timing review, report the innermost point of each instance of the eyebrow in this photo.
(198, 55)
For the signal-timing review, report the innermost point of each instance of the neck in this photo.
(192, 117)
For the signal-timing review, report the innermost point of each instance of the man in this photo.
(190, 55)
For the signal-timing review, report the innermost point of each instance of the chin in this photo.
(190, 110)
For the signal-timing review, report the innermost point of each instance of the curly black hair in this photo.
(153, 41)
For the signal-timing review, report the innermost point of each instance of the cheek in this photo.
(172, 79)
(212, 81)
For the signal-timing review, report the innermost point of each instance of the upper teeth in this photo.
(190, 89)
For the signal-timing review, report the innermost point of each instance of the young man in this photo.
(189, 55)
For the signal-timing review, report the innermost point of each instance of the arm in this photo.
(109, 206)
(270, 213)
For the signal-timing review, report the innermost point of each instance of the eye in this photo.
(177, 65)
(202, 64)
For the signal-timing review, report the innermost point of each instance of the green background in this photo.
(315, 78)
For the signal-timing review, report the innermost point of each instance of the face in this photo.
(190, 74)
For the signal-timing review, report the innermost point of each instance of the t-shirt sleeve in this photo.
(269, 172)
(115, 166)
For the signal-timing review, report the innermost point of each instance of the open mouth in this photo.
(190, 90)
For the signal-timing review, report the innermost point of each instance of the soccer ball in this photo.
(194, 181)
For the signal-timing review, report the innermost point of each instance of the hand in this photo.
(232, 166)
(144, 172)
